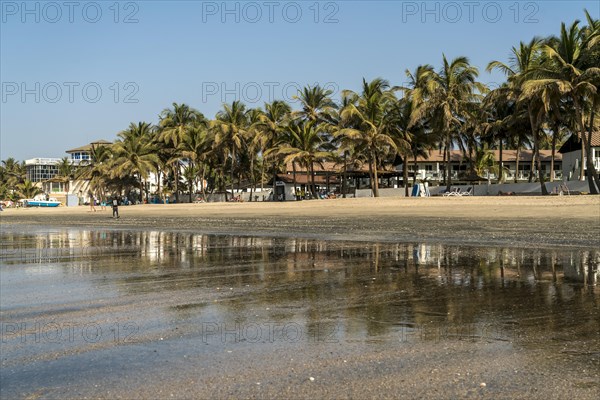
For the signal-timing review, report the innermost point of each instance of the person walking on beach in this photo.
(92, 201)
(115, 207)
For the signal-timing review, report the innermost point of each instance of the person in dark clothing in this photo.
(115, 207)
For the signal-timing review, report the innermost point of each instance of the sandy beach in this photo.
(475, 304)
(515, 221)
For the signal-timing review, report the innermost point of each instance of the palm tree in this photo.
(484, 162)
(96, 170)
(175, 124)
(304, 145)
(373, 111)
(231, 125)
(28, 189)
(13, 173)
(566, 75)
(134, 153)
(500, 116)
(268, 136)
(195, 146)
(416, 93)
(65, 171)
(253, 134)
(523, 62)
(348, 151)
(453, 95)
(317, 105)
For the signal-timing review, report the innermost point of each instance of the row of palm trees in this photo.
(551, 91)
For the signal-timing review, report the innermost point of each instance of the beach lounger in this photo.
(468, 192)
(453, 192)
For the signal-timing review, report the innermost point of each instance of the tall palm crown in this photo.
(135, 153)
(177, 121)
(302, 143)
(317, 105)
(13, 172)
(231, 125)
(174, 125)
(96, 169)
(372, 111)
(567, 77)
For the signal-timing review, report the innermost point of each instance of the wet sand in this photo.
(518, 221)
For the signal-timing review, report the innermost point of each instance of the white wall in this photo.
(569, 163)
(526, 188)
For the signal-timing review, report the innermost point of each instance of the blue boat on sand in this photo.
(42, 203)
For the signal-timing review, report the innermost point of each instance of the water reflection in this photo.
(184, 250)
(403, 291)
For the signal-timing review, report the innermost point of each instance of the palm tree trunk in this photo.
(583, 154)
(312, 179)
(536, 155)
(415, 169)
(596, 179)
(191, 181)
(445, 180)
(141, 189)
(294, 177)
(375, 185)
(158, 174)
(176, 166)
(448, 161)
(554, 138)
(517, 163)
(501, 161)
(262, 176)
(308, 181)
(231, 171)
(344, 175)
(592, 175)
(251, 176)
(539, 168)
(533, 154)
(203, 188)
(274, 181)
(405, 174)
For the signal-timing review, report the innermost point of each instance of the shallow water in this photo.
(83, 309)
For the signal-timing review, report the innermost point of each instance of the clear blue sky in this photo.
(55, 56)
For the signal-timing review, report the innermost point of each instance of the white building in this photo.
(571, 154)
(41, 169)
(432, 166)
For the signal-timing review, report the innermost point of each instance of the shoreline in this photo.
(565, 221)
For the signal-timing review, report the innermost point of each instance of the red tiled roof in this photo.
(329, 166)
(573, 143)
(88, 147)
(302, 179)
(595, 139)
(507, 156)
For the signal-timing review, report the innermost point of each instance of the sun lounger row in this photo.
(457, 192)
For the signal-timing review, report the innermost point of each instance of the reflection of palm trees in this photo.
(324, 284)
